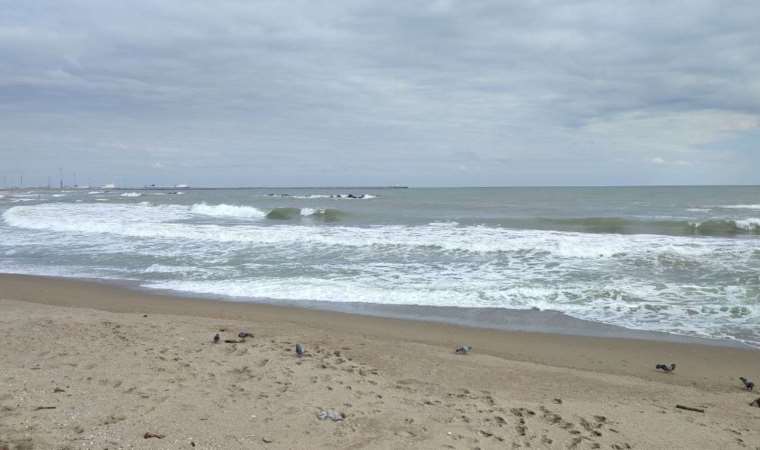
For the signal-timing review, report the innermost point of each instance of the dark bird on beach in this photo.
(755, 403)
(216, 338)
(245, 334)
(299, 350)
(463, 350)
(748, 384)
(666, 368)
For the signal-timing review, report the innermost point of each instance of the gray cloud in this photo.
(418, 93)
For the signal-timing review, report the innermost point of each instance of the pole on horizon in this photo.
(60, 177)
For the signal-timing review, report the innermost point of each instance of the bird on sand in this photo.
(748, 384)
(216, 338)
(299, 350)
(666, 368)
(463, 350)
(245, 334)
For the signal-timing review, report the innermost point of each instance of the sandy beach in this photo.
(90, 365)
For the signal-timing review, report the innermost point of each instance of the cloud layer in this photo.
(417, 93)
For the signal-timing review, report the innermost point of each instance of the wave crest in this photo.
(225, 210)
(671, 227)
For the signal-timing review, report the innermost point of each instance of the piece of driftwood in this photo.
(44, 407)
(689, 408)
(149, 435)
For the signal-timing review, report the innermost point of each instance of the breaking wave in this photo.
(224, 210)
(167, 222)
(326, 214)
(705, 285)
(618, 225)
(740, 206)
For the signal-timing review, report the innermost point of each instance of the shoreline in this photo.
(547, 321)
(501, 319)
(94, 365)
(120, 297)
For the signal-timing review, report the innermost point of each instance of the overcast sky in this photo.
(380, 92)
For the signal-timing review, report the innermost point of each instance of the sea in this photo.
(678, 260)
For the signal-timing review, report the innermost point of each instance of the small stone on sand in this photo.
(331, 414)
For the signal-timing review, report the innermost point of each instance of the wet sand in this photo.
(109, 374)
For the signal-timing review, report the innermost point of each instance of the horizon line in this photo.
(189, 187)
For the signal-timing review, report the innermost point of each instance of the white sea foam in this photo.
(606, 277)
(757, 206)
(626, 302)
(131, 194)
(749, 224)
(94, 192)
(159, 222)
(312, 211)
(88, 218)
(160, 268)
(223, 210)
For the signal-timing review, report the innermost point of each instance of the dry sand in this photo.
(113, 364)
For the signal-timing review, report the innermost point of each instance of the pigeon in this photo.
(299, 350)
(666, 368)
(748, 384)
(463, 350)
(245, 334)
(216, 338)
